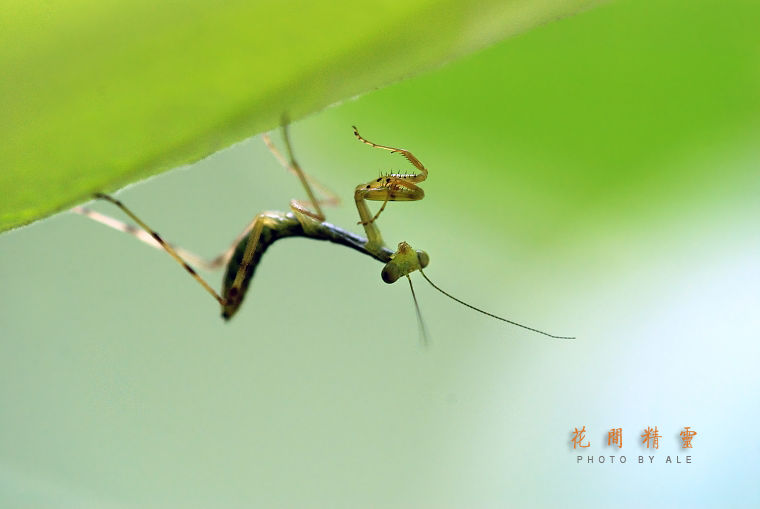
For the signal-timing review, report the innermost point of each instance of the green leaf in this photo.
(96, 95)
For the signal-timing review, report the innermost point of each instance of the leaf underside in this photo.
(96, 95)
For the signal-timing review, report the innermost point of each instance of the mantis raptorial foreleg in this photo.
(391, 187)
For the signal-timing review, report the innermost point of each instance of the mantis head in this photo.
(403, 262)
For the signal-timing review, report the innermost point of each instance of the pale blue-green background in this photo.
(596, 177)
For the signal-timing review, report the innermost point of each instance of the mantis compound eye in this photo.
(424, 258)
(391, 272)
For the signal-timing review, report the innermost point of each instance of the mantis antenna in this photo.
(490, 314)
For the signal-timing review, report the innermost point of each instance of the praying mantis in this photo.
(305, 219)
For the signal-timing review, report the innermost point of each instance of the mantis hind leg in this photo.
(156, 238)
(144, 236)
(302, 208)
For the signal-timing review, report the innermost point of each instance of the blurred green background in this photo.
(595, 177)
